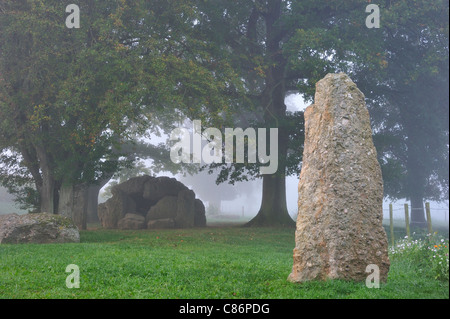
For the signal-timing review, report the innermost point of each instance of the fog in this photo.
(250, 200)
(243, 199)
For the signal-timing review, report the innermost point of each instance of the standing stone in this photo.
(199, 213)
(162, 186)
(185, 217)
(115, 208)
(39, 228)
(166, 207)
(132, 221)
(339, 224)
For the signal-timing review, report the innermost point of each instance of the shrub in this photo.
(438, 253)
(430, 253)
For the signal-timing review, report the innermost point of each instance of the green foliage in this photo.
(429, 254)
(16, 179)
(402, 68)
(293, 124)
(408, 96)
(66, 93)
(439, 259)
(71, 98)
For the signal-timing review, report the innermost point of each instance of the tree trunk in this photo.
(47, 188)
(92, 200)
(47, 192)
(65, 203)
(273, 210)
(416, 181)
(415, 168)
(73, 203)
(92, 204)
(80, 200)
(417, 212)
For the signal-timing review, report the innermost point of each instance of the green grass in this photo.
(225, 262)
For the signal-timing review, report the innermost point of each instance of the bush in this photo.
(439, 259)
(430, 254)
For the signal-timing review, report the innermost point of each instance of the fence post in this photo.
(430, 227)
(407, 220)
(391, 223)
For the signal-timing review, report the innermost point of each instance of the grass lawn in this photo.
(213, 262)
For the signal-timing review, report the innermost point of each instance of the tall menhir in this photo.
(339, 225)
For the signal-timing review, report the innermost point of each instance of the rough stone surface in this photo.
(185, 217)
(141, 200)
(115, 208)
(37, 228)
(161, 187)
(135, 185)
(200, 213)
(339, 225)
(102, 213)
(132, 221)
(166, 207)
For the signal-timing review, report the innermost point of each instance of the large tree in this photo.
(70, 98)
(64, 98)
(408, 97)
(283, 46)
(279, 47)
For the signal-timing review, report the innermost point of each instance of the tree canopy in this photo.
(72, 101)
(408, 98)
(71, 97)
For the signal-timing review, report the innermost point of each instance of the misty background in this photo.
(242, 200)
